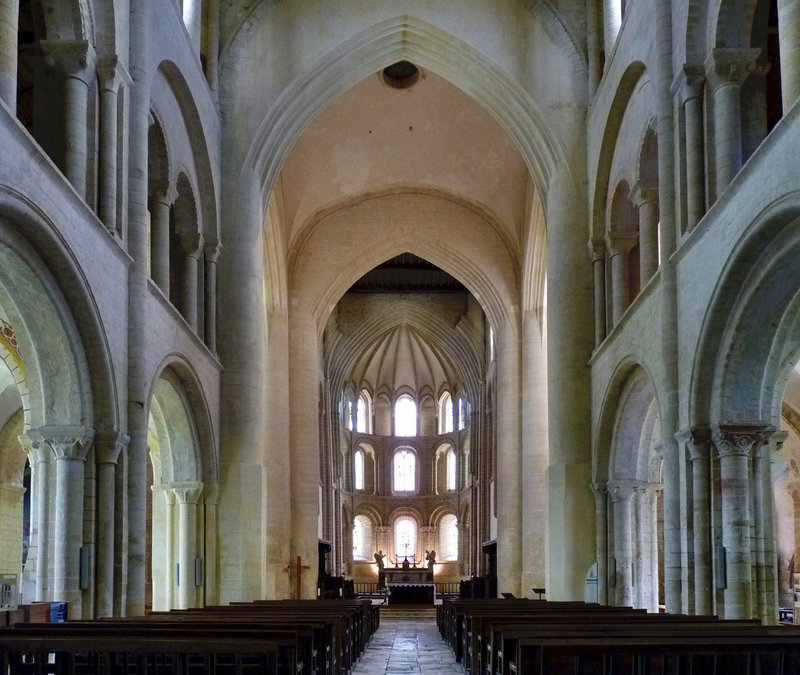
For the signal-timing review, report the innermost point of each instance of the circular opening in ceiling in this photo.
(401, 75)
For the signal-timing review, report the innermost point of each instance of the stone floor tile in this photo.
(404, 646)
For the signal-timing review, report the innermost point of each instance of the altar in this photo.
(411, 593)
(408, 575)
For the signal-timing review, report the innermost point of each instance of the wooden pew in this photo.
(291, 637)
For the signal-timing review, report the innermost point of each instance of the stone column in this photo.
(622, 498)
(108, 447)
(508, 490)
(70, 446)
(304, 441)
(619, 245)
(673, 570)
(169, 548)
(160, 204)
(192, 244)
(776, 441)
(645, 199)
(121, 533)
(212, 58)
(212, 250)
(39, 456)
(760, 501)
(193, 20)
(612, 22)
(789, 38)
(9, 17)
(697, 441)
(641, 548)
(210, 494)
(570, 507)
(727, 69)
(652, 503)
(601, 522)
(187, 495)
(109, 81)
(734, 443)
(692, 100)
(72, 60)
(427, 536)
(597, 253)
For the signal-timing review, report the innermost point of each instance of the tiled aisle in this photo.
(407, 646)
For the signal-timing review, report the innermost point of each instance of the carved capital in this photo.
(212, 250)
(730, 65)
(108, 75)
(66, 442)
(642, 194)
(109, 445)
(599, 491)
(70, 58)
(739, 439)
(597, 249)
(622, 490)
(697, 441)
(187, 492)
(191, 243)
(164, 194)
(690, 83)
(210, 493)
(620, 243)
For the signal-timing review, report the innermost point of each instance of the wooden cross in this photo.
(299, 567)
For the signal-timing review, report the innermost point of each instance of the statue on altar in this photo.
(430, 556)
(379, 556)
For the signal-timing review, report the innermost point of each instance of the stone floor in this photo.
(407, 645)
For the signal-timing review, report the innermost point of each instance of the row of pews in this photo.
(285, 637)
(515, 636)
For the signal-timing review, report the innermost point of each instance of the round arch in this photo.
(739, 365)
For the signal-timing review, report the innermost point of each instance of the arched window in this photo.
(462, 414)
(445, 413)
(358, 470)
(491, 344)
(448, 537)
(405, 539)
(451, 470)
(364, 413)
(362, 538)
(405, 470)
(405, 416)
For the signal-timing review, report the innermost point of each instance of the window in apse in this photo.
(405, 539)
(405, 416)
(405, 464)
(358, 470)
(451, 470)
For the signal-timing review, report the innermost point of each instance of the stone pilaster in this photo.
(653, 490)
(70, 446)
(73, 60)
(691, 96)
(212, 250)
(601, 520)
(697, 441)
(734, 444)
(645, 199)
(673, 568)
(192, 245)
(621, 493)
(727, 69)
(108, 447)
(187, 496)
(619, 245)
(9, 18)
(597, 254)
